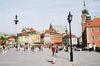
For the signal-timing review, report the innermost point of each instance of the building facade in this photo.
(90, 29)
(66, 39)
(29, 35)
(52, 36)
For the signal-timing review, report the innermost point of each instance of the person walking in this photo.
(94, 47)
(53, 48)
(32, 48)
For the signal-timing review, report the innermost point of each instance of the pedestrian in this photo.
(90, 47)
(39, 48)
(32, 48)
(16, 46)
(56, 49)
(53, 47)
(65, 48)
(4, 48)
(94, 47)
(26, 46)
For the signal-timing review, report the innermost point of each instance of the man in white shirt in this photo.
(94, 47)
(90, 47)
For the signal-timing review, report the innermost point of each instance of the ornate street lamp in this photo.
(16, 39)
(66, 38)
(66, 41)
(71, 49)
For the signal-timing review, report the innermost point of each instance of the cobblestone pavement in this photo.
(43, 58)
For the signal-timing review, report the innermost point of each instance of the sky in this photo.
(38, 14)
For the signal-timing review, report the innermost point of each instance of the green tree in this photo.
(3, 38)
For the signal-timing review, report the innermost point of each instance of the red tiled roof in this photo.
(94, 23)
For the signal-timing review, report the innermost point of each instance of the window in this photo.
(99, 37)
(92, 30)
(99, 29)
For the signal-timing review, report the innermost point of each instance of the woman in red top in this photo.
(53, 53)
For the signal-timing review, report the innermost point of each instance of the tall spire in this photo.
(85, 12)
(16, 16)
(84, 4)
(50, 27)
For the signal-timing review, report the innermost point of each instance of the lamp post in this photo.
(66, 41)
(16, 39)
(71, 49)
